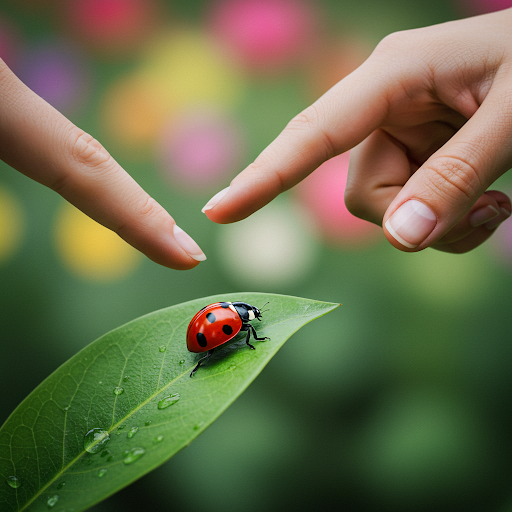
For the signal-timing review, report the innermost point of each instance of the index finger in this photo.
(41, 143)
(340, 119)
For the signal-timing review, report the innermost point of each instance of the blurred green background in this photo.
(399, 400)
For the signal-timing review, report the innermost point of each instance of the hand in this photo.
(42, 144)
(429, 116)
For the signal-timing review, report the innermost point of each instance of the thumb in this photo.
(442, 202)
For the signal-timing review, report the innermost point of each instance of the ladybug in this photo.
(218, 323)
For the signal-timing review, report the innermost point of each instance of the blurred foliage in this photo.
(398, 401)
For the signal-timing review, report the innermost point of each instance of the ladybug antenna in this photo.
(261, 309)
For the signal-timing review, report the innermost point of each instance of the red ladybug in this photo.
(218, 323)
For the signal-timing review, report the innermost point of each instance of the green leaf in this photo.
(129, 399)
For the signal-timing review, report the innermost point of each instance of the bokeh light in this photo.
(201, 149)
(322, 195)
(110, 25)
(268, 250)
(187, 67)
(90, 250)
(178, 71)
(131, 114)
(58, 72)
(11, 224)
(266, 35)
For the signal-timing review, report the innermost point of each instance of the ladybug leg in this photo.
(250, 328)
(255, 336)
(205, 358)
(247, 327)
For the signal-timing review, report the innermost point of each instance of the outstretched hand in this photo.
(429, 116)
(42, 144)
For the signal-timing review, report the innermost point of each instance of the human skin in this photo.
(41, 143)
(428, 120)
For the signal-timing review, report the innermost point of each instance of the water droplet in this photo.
(154, 366)
(118, 390)
(169, 400)
(105, 453)
(159, 439)
(110, 459)
(162, 348)
(198, 425)
(132, 432)
(100, 382)
(123, 425)
(232, 367)
(182, 361)
(95, 440)
(132, 455)
(147, 423)
(52, 501)
(61, 485)
(66, 408)
(102, 472)
(126, 378)
(13, 481)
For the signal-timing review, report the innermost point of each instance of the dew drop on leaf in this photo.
(13, 481)
(159, 439)
(198, 425)
(52, 501)
(102, 472)
(110, 459)
(105, 453)
(182, 361)
(96, 440)
(61, 485)
(118, 390)
(132, 432)
(126, 378)
(132, 455)
(162, 348)
(168, 401)
(147, 423)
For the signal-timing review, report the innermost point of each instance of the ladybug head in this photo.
(257, 312)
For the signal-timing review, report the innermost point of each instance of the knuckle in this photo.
(451, 176)
(149, 207)
(87, 151)
(311, 121)
(308, 119)
(393, 42)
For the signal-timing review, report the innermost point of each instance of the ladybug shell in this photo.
(212, 326)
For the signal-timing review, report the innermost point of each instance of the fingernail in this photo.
(483, 215)
(411, 223)
(186, 242)
(495, 222)
(215, 199)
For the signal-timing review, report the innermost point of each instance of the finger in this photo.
(42, 144)
(339, 120)
(444, 189)
(482, 220)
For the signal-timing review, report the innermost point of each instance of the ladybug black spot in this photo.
(224, 305)
(210, 317)
(201, 339)
(227, 329)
